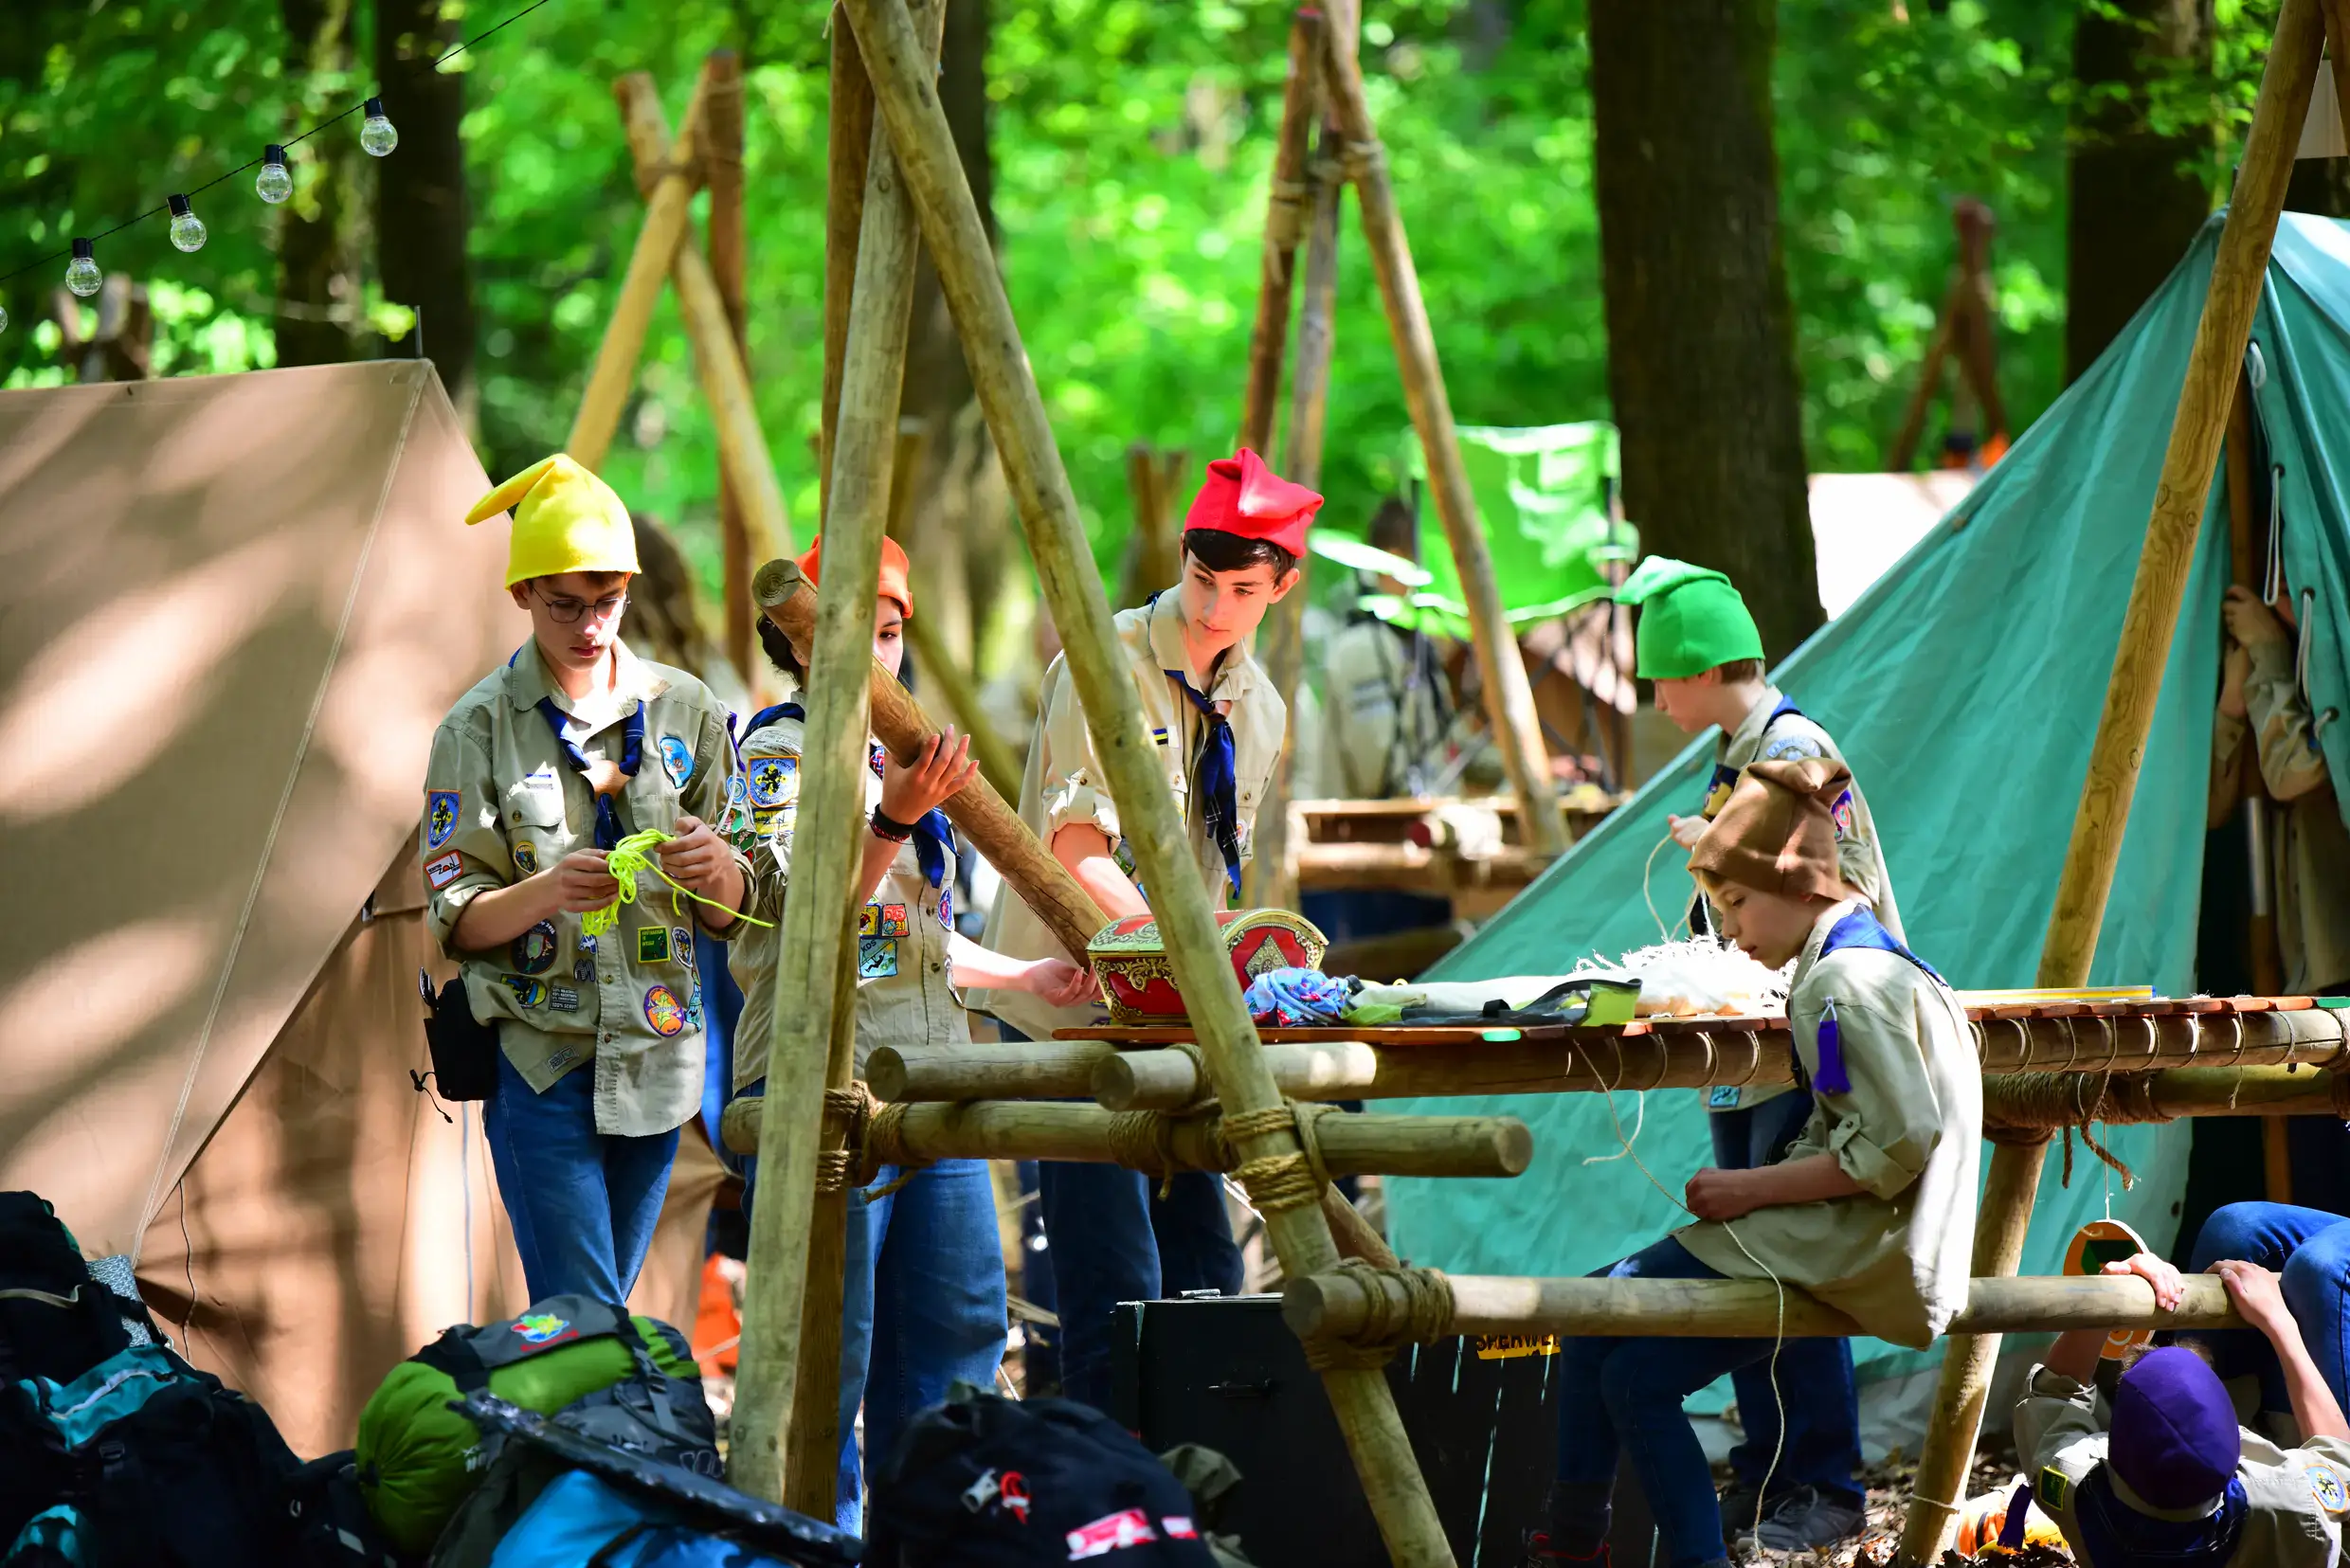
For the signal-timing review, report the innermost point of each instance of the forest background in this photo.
(1122, 151)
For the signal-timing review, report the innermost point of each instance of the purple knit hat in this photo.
(2174, 1440)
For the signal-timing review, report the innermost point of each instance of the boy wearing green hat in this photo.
(1698, 644)
(535, 776)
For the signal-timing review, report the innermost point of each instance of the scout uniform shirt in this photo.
(1064, 782)
(2309, 848)
(1776, 729)
(905, 983)
(502, 803)
(1385, 713)
(2295, 1498)
(1895, 1255)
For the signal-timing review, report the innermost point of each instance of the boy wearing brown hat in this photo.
(1871, 1210)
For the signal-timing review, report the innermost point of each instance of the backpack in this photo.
(57, 1321)
(325, 1521)
(580, 1518)
(633, 1380)
(142, 1462)
(985, 1482)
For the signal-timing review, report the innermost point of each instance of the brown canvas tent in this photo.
(232, 609)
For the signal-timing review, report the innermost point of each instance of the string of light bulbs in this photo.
(378, 137)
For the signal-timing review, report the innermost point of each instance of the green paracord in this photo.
(632, 854)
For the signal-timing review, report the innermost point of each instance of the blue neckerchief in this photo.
(1860, 929)
(2116, 1536)
(1215, 778)
(631, 756)
(1725, 777)
(934, 836)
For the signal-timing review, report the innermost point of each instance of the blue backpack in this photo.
(580, 1518)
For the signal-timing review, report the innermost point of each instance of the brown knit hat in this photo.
(1774, 833)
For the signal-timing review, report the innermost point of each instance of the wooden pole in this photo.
(666, 211)
(729, 265)
(982, 815)
(744, 461)
(1154, 555)
(1905, 450)
(848, 137)
(2238, 270)
(961, 694)
(1045, 1070)
(1271, 872)
(791, 1347)
(1508, 697)
(958, 247)
(1285, 214)
(1341, 1304)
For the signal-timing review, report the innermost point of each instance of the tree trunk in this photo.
(2135, 198)
(421, 214)
(955, 524)
(318, 290)
(1701, 340)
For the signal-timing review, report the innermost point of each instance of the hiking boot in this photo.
(1808, 1518)
(1740, 1506)
(1537, 1552)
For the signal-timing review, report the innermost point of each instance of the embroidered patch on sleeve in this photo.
(771, 779)
(1841, 815)
(526, 857)
(1794, 745)
(445, 871)
(440, 816)
(2054, 1491)
(2328, 1487)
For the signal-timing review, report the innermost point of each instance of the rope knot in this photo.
(1418, 1312)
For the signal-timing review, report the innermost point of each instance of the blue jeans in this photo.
(922, 1308)
(582, 1203)
(1818, 1442)
(1624, 1396)
(2310, 1250)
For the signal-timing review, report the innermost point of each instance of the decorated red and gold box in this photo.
(1138, 982)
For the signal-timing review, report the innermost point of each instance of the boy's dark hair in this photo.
(1395, 528)
(1221, 551)
(1740, 668)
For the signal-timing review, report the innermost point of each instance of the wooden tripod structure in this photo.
(1964, 328)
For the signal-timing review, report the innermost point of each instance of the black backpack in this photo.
(325, 1521)
(56, 1320)
(985, 1482)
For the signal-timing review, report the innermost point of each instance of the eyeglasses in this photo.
(565, 611)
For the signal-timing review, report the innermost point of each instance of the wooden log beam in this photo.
(956, 687)
(1300, 1234)
(744, 461)
(789, 1377)
(2058, 1100)
(1021, 1129)
(982, 814)
(666, 212)
(1286, 211)
(1047, 1070)
(1342, 1304)
(1508, 697)
(848, 138)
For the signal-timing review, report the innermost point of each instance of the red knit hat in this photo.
(1242, 495)
(893, 570)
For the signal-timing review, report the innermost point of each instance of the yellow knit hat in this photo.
(565, 519)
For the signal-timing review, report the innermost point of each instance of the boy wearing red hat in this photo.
(1218, 723)
(923, 1302)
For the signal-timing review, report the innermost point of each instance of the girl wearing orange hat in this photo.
(923, 1301)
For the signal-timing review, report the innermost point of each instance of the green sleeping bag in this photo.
(418, 1459)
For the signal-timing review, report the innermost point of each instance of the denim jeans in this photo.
(582, 1203)
(922, 1307)
(1624, 1396)
(1818, 1442)
(2310, 1250)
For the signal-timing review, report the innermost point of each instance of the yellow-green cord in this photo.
(632, 854)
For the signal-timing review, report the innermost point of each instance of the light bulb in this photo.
(187, 228)
(273, 184)
(375, 132)
(81, 274)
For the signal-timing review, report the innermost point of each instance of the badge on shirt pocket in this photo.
(528, 992)
(893, 920)
(677, 761)
(877, 957)
(681, 945)
(440, 816)
(663, 1012)
(653, 945)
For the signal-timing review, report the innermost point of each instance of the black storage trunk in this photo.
(1227, 1373)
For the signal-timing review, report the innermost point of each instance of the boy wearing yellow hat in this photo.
(1698, 644)
(537, 774)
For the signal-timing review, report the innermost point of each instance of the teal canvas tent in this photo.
(1965, 686)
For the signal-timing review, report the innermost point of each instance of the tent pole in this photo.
(744, 462)
(666, 212)
(792, 1322)
(2238, 270)
(1508, 695)
(1272, 1166)
(1273, 873)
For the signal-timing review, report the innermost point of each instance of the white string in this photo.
(1664, 933)
(1639, 1119)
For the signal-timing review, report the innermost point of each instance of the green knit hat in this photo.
(1692, 620)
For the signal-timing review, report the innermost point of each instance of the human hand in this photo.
(2169, 1287)
(2255, 1295)
(581, 882)
(2250, 622)
(1721, 1194)
(1057, 982)
(697, 858)
(2233, 672)
(943, 766)
(1687, 830)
